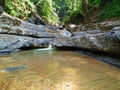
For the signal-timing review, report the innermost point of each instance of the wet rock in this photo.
(13, 69)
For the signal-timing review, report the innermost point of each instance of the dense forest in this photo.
(60, 11)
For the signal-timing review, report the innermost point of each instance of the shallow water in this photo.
(56, 70)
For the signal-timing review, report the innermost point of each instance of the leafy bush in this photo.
(75, 17)
(46, 10)
(19, 8)
(63, 10)
(111, 10)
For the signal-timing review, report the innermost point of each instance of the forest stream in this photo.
(59, 44)
(56, 70)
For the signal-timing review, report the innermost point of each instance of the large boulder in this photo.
(17, 30)
(16, 34)
(14, 26)
(108, 25)
(104, 41)
(6, 19)
(12, 43)
(104, 26)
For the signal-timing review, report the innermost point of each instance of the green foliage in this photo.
(75, 17)
(62, 10)
(46, 10)
(94, 3)
(19, 8)
(69, 9)
(108, 9)
(111, 10)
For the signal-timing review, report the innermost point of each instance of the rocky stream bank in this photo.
(16, 35)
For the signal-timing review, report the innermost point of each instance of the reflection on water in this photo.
(57, 70)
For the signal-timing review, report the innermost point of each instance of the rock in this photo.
(10, 43)
(86, 27)
(15, 30)
(6, 19)
(64, 32)
(107, 41)
(71, 27)
(79, 27)
(79, 33)
(63, 42)
(16, 34)
(1, 10)
(108, 25)
(9, 20)
(116, 28)
(94, 31)
(14, 26)
(35, 18)
(13, 69)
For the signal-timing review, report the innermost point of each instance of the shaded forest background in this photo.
(64, 11)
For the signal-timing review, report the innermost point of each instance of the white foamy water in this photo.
(48, 48)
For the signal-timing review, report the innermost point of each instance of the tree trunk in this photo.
(85, 11)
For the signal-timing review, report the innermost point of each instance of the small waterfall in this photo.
(48, 48)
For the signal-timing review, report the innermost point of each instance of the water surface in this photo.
(56, 70)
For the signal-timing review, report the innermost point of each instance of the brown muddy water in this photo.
(56, 70)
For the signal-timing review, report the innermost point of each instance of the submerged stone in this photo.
(13, 69)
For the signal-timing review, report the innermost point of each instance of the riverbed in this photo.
(56, 70)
